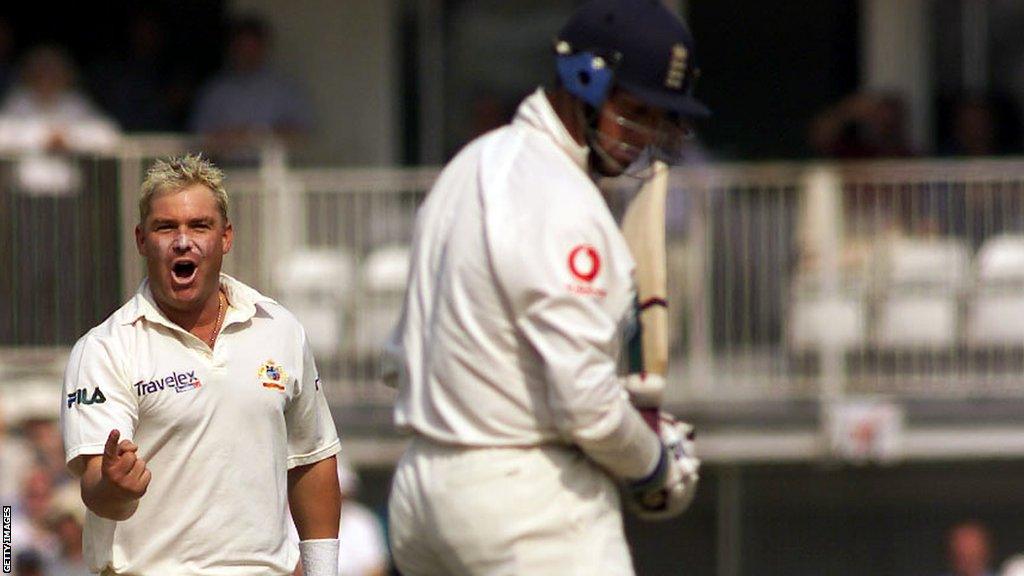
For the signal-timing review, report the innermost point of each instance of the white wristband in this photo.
(319, 557)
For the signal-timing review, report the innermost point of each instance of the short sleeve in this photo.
(311, 433)
(97, 398)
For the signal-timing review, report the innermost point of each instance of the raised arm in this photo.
(113, 483)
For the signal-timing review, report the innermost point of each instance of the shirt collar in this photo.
(536, 111)
(242, 303)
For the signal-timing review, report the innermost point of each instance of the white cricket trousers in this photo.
(503, 512)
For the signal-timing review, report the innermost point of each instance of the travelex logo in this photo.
(177, 381)
(83, 396)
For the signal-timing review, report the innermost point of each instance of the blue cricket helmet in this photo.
(639, 45)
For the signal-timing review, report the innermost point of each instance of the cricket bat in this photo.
(643, 226)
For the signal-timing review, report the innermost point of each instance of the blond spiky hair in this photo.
(178, 173)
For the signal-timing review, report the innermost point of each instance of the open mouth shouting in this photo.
(183, 272)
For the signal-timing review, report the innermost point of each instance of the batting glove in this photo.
(668, 491)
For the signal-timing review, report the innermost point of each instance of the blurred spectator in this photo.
(66, 519)
(979, 125)
(47, 448)
(36, 418)
(969, 549)
(872, 126)
(15, 457)
(248, 101)
(144, 88)
(30, 531)
(362, 551)
(45, 112)
(862, 126)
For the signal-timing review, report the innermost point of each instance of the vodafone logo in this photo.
(584, 263)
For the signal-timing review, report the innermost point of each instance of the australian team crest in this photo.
(272, 375)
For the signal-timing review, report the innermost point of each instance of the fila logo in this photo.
(82, 396)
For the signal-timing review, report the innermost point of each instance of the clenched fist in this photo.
(123, 469)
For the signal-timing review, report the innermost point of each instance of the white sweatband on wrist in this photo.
(319, 557)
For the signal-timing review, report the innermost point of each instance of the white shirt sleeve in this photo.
(558, 278)
(97, 398)
(311, 432)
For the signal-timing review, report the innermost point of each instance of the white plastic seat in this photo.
(995, 312)
(315, 285)
(382, 276)
(316, 270)
(1001, 261)
(928, 263)
(386, 269)
(919, 283)
(821, 319)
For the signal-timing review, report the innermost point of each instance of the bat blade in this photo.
(643, 226)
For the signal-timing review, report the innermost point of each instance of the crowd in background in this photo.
(48, 103)
(872, 125)
(48, 514)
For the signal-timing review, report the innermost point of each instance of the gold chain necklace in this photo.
(220, 318)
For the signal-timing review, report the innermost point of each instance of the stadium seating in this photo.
(917, 286)
(315, 284)
(818, 317)
(382, 278)
(995, 310)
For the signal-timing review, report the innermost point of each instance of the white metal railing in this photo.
(788, 280)
(894, 278)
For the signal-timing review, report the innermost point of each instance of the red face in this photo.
(184, 240)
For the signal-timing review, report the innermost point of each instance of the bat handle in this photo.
(651, 417)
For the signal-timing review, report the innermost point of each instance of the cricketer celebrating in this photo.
(195, 409)
(505, 357)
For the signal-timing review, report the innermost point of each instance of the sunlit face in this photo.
(184, 240)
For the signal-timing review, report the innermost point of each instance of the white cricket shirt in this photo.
(218, 430)
(519, 286)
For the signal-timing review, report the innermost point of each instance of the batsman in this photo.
(520, 291)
